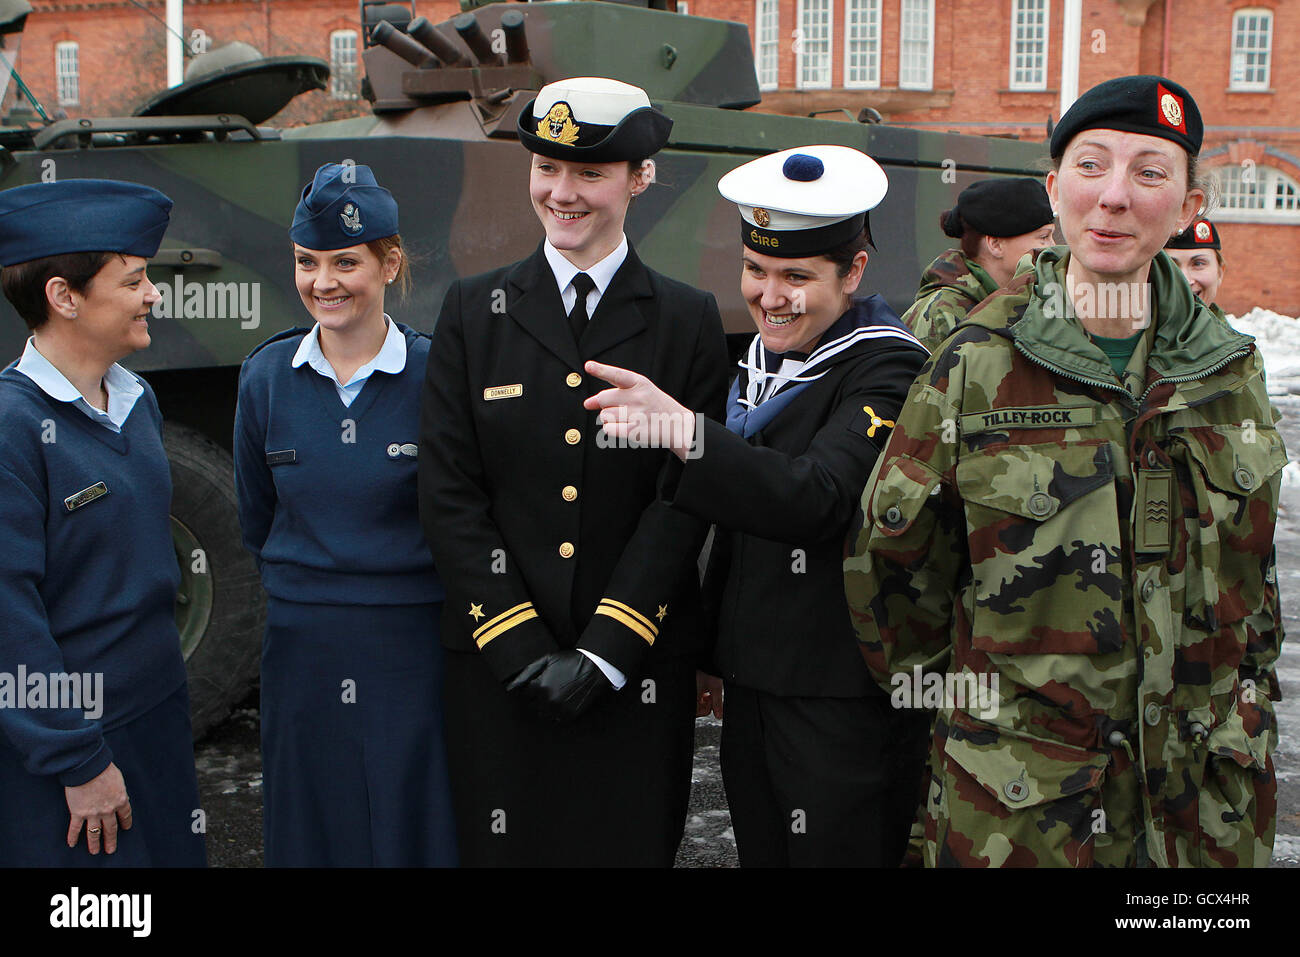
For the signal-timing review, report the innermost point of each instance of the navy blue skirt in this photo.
(155, 754)
(354, 767)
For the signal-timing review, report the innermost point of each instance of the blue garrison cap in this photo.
(81, 216)
(343, 206)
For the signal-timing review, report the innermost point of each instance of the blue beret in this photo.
(343, 206)
(81, 216)
(1151, 105)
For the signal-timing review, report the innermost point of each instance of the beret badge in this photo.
(1171, 110)
(1203, 233)
(761, 216)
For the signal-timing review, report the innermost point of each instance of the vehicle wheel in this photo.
(220, 607)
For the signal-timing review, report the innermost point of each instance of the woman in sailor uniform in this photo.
(818, 768)
(96, 758)
(573, 609)
(354, 769)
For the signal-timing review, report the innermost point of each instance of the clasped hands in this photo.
(560, 685)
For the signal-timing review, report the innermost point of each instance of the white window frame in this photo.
(683, 7)
(67, 83)
(822, 82)
(869, 13)
(913, 84)
(1273, 197)
(341, 88)
(1237, 65)
(765, 43)
(1030, 8)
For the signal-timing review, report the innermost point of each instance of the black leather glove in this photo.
(561, 685)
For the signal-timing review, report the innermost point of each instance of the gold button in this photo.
(573, 380)
(573, 436)
(566, 549)
(569, 493)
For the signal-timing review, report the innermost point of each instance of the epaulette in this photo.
(286, 334)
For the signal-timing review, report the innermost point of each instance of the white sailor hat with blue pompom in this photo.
(805, 201)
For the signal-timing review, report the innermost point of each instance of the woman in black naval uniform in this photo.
(573, 611)
(96, 755)
(819, 769)
(354, 768)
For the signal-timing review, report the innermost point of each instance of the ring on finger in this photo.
(93, 830)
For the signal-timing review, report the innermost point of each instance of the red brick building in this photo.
(1001, 67)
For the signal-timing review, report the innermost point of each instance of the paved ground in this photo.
(230, 770)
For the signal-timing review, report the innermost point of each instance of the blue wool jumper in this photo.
(327, 496)
(85, 590)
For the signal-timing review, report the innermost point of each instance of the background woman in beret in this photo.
(88, 575)
(997, 221)
(1075, 513)
(573, 613)
(819, 769)
(354, 767)
(1199, 254)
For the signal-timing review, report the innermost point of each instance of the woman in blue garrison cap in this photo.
(354, 772)
(96, 760)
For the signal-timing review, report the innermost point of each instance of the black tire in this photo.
(221, 609)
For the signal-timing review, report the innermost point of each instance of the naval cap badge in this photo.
(558, 125)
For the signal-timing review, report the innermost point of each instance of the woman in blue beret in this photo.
(354, 772)
(96, 760)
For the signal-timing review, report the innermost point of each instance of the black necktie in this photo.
(578, 319)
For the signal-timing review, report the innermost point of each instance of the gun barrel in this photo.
(442, 48)
(470, 31)
(412, 51)
(512, 22)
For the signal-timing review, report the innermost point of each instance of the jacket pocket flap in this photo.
(1034, 481)
(1019, 771)
(1236, 459)
(900, 495)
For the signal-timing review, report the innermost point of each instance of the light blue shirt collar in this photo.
(602, 274)
(123, 388)
(390, 358)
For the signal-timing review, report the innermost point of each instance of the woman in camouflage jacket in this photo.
(1087, 538)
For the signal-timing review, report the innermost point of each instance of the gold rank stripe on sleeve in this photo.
(626, 615)
(504, 622)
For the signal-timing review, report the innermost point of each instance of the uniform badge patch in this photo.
(868, 423)
(1203, 234)
(85, 496)
(762, 217)
(558, 126)
(397, 449)
(1171, 109)
(350, 219)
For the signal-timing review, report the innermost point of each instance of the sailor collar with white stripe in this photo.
(760, 367)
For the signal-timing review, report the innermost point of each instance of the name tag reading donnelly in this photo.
(503, 392)
(1043, 417)
(85, 496)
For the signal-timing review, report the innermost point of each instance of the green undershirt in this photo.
(1118, 351)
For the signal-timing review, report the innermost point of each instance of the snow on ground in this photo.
(1278, 339)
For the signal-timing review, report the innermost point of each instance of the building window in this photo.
(344, 78)
(767, 36)
(67, 74)
(1029, 19)
(1252, 193)
(862, 43)
(683, 6)
(814, 45)
(1252, 40)
(916, 46)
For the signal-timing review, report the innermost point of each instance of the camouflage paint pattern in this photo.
(948, 291)
(461, 179)
(1104, 546)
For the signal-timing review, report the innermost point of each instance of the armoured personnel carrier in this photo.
(441, 133)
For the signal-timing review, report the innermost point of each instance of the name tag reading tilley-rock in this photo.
(85, 496)
(503, 392)
(1046, 417)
